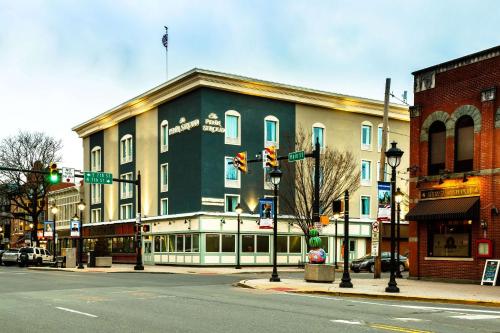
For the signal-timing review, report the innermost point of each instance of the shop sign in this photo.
(490, 272)
(449, 192)
(212, 124)
(266, 209)
(184, 126)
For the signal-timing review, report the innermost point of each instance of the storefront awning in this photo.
(445, 209)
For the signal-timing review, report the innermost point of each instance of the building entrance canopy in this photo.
(445, 209)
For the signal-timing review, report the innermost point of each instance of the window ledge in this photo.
(366, 147)
(233, 141)
(366, 183)
(164, 149)
(164, 188)
(449, 258)
(232, 183)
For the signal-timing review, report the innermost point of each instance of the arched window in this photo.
(232, 122)
(126, 149)
(366, 135)
(437, 147)
(164, 136)
(318, 133)
(271, 131)
(95, 159)
(464, 144)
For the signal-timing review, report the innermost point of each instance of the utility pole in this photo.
(378, 261)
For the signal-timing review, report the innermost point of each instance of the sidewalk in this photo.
(375, 288)
(122, 268)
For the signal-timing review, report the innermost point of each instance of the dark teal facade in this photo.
(97, 140)
(127, 127)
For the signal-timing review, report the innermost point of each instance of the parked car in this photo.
(1, 252)
(34, 256)
(10, 257)
(367, 263)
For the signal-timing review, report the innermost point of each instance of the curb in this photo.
(242, 284)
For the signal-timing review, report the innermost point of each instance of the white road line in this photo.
(475, 317)
(20, 273)
(430, 308)
(350, 322)
(78, 312)
(410, 319)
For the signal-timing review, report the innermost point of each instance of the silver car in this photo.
(10, 257)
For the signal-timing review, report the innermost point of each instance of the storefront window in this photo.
(212, 242)
(187, 243)
(324, 243)
(295, 244)
(196, 243)
(282, 244)
(228, 243)
(179, 243)
(247, 243)
(163, 241)
(157, 244)
(262, 244)
(171, 243)
(450, 239)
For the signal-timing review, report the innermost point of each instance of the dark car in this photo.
(367, 263)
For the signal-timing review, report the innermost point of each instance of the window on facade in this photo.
(318, 134)
(95, 215)
(179, 243)
(437, 147)
(164, 177)
(248, 243)
(196, 242)
(212, 242)
(164, 136)
(282, 245)
(386, 174)
(366, 137)
(228, 243)
(366, 171)
(233, 128)
(95, 194)
(324, 243)
(262, 244)
(187, 243)
(464, 144)
(164, 206)
(295, 244)
(271, 131)
(449, 239)
(171, 243)
(126, 212)
(231, 174)
(95, 159)
(380, 133)
(231, 202)
(126, 150)
(126, 189)
(365, 206)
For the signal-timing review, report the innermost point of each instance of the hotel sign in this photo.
(437, 193)
(212, 124)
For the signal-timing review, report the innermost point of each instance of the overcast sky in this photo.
(63, 62)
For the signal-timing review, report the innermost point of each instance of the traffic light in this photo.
(240, 162)
(271, 157)
(54, 176)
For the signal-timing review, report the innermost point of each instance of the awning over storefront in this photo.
(445, 209)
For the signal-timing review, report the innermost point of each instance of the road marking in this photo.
(396, 328)
(19, 273)
(430, 308)
(350, 322)
(410, 319)
(475, 317)
(78, 312)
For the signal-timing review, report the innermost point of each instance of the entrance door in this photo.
(353, 252)
(148, 257)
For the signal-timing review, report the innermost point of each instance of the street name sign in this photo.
(97, 177)
(296, 156)
(68, 175)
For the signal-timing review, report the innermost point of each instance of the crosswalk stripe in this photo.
(475, 317)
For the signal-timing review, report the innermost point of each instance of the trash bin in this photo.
(60, 261)
(91, 259)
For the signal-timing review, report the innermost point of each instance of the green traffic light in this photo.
(54, 178)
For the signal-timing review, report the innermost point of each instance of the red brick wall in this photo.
(454, 88)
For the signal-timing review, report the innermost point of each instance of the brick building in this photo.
(455, 168)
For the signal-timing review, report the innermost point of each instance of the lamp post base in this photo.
(138, 268)
(238, 267)
(275, 278)
(80, 266)
(346, 281)
(392, 288)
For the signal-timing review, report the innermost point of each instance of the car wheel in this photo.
(39, 262)
(371, 268)
(355, 270)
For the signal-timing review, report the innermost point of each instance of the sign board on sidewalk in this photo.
(68, 175)
(375, 238)
(97, 177)
(490, 272)
(75, 228)
(266, 209)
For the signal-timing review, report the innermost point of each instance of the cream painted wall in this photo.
(111, 165)
(147, 160)
(86, 187)
(343, 132)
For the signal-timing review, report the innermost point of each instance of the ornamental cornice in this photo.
(201, 78)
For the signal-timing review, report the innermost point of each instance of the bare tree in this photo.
(26, 190)
(339, 172)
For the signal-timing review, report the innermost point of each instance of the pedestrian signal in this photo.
(240, 162)
(271, 157)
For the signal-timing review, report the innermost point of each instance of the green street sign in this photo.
(98, 177)
(296, 156)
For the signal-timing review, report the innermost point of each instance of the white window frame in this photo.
(361, 206)
(126, 208)
(164, 136)
(162, 211)
(368, 146)
(319, 125)
(271, 143)
(225, 201)
(95, 194)
(229, 182)
(95, 152)
(386, 177)
(366, 182)
(164, 187)
(95, 215)
(232, 141)
(128, 154)
(126, 189)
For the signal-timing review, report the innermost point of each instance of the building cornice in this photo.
(197, 78)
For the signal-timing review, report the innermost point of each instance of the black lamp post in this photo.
(54, 211)
(81, 208)
(238, 210)
(275, 175)
(31, 233)
(346, 278)
(398, 197)
(393, 159)
(335, 217)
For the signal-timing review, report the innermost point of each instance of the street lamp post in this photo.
(275, 175)
(54, 211)
(31, 233)
(238, 210)
(346, 278)
(335, 217)
(398, 198)
(393, 159)
(81, 208)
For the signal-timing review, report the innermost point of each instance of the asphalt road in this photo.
(45, 301)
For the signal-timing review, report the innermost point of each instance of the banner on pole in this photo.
(384, 201)
(75, 228)
(266, 209)
(48, 229)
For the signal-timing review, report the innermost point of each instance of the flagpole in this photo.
(165, 43)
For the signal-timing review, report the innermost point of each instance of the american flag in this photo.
(164, 40)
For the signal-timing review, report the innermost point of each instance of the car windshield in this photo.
(27, 250)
